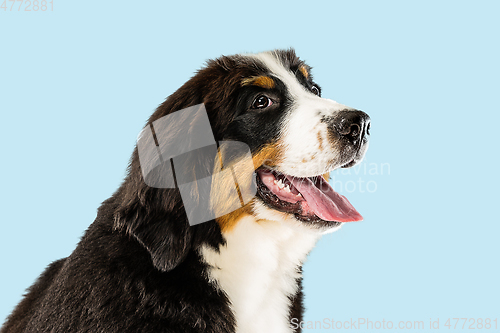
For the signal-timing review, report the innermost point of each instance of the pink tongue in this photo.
(323, 201)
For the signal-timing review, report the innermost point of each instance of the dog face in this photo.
(296, 136)
(317, 135)
(270, 102)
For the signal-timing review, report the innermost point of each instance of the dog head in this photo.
(270, 102)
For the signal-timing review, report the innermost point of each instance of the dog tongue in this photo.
(322, 200)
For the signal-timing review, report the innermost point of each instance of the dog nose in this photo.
(353, 125)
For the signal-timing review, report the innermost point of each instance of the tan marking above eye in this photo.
(304, 71)
(259, 81)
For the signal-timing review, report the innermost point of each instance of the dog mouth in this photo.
(310, 199)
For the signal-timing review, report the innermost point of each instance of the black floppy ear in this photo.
(155, 218)
(149, 204)
(168, 242)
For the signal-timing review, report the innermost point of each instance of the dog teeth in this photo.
(282, 185)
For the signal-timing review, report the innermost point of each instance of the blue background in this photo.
(78, 83)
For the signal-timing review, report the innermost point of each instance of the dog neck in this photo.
(258, 269)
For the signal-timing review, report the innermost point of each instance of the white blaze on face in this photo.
(307, 149)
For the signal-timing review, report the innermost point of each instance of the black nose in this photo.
(353, 125)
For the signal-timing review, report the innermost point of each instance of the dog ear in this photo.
(149, 204)
(166, 236)
(151, 208)
(154, 217)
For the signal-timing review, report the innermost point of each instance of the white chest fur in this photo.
(257, 269)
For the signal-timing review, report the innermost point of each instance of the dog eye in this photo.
(315, 91)
(261, 102)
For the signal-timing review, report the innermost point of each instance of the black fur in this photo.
(137, 268)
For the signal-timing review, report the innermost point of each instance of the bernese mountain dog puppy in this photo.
(141, 267)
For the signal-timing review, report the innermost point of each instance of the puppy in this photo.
(143, 267)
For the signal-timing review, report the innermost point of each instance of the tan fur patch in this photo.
(304, 71)
(226, 192)
(260, 81)
(309, 158)
(268, 156)
(320, 140)
(326, 176)
(229, 221)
